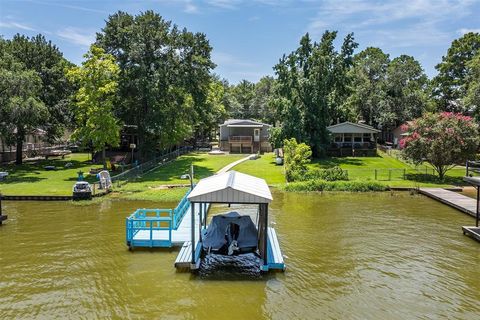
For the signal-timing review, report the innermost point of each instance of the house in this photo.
(399, 133)
(33, 141)
(352, 139)
(237, 135)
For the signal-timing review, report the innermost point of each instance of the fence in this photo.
(157, 161)
(395, 174)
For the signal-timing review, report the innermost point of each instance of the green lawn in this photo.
(264, 167)
(31, 178)
(391, 171)
(151, 186)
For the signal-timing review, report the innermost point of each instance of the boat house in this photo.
(352, 139)
(244, 136)
(232, 188)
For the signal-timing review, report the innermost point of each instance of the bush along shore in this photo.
(323, 185)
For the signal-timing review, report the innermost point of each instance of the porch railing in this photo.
(240, 139)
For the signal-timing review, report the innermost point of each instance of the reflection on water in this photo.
(348, 256)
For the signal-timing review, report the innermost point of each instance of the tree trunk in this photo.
(19, 153)
(104, 160)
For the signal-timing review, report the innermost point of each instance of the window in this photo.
(347, 137)
(357, 138)
(338, 138)
(366, 137)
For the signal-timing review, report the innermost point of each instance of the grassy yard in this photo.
(152, 186)
(264, 167)
(31, 178)
(391, 171)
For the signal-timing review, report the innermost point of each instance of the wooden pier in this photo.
(453, 199)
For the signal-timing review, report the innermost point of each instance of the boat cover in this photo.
(218, 235)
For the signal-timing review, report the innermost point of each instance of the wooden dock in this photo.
(473, 232)
(453, 199)
(161, 238)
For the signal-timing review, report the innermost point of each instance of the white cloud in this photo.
(77, 36)
(15, 25)
(190, 7)
(393, 23)
(466, 30)
(224, 4)
(227, 60)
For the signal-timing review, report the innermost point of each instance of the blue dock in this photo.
(184, 225)
(162, 228)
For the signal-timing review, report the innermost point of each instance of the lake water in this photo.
(348, 256)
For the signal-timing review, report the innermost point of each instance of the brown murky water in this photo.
(349, 256)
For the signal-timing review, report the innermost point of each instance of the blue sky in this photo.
(248, 37)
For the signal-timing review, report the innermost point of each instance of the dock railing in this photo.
(180, 211)
(149, 220)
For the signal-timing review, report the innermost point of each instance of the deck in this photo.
(453, 199)
(152, 235)
(473, 232)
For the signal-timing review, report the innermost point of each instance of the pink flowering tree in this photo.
(441, 139)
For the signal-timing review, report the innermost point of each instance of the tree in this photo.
(47, 61)
(164, 77)
(97, 86)
(451, 84)
(406, 93)
(442, 139)
(297, 156)
(21, 109)
(312, 87)
(262, 102)
(244, 94)
(369, 75)
(472, 99)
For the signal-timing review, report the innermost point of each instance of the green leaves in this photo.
(452, 82)
(442, 140)
(164, 77)
(312, 87)
(97, 86)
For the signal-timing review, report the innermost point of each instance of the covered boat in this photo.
(82, 191)
(230, 234)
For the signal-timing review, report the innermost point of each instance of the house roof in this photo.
(350, 127)
(239, 123)
(231, 187)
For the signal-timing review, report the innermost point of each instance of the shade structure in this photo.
(231, 187)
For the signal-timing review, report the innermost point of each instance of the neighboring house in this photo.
(244, 136)
(353, 139)
(398, 134)
(33, 141)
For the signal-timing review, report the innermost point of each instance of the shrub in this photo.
(296, 157)
(322, 185)
(330, 174)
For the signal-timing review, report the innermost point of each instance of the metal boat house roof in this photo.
(231, 187)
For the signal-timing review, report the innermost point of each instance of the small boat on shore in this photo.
(82, 191)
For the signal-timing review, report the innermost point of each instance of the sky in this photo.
(249, 37)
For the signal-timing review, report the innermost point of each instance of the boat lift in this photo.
(471, 231)
(231, 188)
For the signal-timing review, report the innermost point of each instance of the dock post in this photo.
(375, 174)
(193, 262)
(478, 205)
